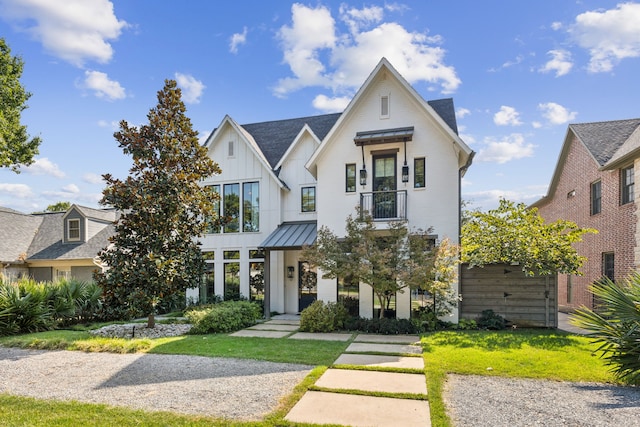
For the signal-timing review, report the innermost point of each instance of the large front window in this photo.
(230, 214)
(256, 275)
(232, 275)
(231, 208)
(250, 206)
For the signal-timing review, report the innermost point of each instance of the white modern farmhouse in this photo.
(390, 153)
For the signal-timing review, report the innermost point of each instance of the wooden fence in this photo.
(523, 300)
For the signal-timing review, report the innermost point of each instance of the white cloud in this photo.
(358, 18)
(43, 166)
(73, 30)
(609, 35)
(512, 147)
(115, 125)
(311, 31)
(92, 178)
(556, 114)
(490, 199)
(507, 116)
(320, 54)
(556, 25)
(68, 191)
(237, 39)
(191, 88)
(102, 86)
(20, 191)
(560, 62)
(462, 112)
(331, 105)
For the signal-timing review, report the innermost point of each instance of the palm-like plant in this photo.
(616, 325)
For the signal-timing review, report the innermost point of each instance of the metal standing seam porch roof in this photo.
(291, 235)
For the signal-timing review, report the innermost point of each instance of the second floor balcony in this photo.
(384, 205)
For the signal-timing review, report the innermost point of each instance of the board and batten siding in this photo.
(524, 301)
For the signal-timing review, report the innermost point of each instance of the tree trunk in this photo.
(381, 299)
(151, 321)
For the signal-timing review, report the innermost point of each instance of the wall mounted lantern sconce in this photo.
(363, 171)
(405, 172)
(405, 168)
(290, 272)
(363, 176)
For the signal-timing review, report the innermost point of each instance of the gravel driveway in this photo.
(474, 401)
(219, 387)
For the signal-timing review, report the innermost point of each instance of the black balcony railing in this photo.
(384, 204)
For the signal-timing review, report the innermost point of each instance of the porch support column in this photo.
(267, 284)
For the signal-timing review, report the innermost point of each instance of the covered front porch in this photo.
(300, 281)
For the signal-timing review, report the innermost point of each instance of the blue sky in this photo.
(518, 72)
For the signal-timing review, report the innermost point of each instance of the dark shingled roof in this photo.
(274, 138)
(17, 231)
(603, 139)
(47, 244)
(444, 108)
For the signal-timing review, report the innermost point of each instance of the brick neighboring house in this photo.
(593, 186)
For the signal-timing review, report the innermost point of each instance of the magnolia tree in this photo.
(395, 260)
(513, 234)
(154, 254)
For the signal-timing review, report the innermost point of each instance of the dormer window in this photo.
(384, 107)
(73, 230)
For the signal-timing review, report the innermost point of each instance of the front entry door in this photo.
(384, 186)
(307, 285)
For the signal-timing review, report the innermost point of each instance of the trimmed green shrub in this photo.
(490, 320)
(616, 325)
(224, 317)
(382, 326)
(323, 317)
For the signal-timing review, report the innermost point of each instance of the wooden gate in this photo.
(525, 301)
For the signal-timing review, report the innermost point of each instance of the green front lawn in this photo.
(540, 353)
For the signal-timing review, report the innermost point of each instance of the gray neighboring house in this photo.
(50, 246)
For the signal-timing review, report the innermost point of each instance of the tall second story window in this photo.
(231, 208)
(73, 230)
(308, 202)
(350, 178)
(626, 185)
(596, 197)
(250, 206)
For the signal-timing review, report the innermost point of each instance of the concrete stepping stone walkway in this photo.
(331, 405)
(338, 400)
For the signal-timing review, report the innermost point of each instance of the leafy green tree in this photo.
(431, 269)
(389, 262)
(15, 146)
(58, 207)
(615, 325)
(513, 234)
(154, 254)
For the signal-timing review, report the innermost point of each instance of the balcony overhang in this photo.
(383, 136)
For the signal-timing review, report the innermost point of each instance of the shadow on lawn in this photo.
(500, 340)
